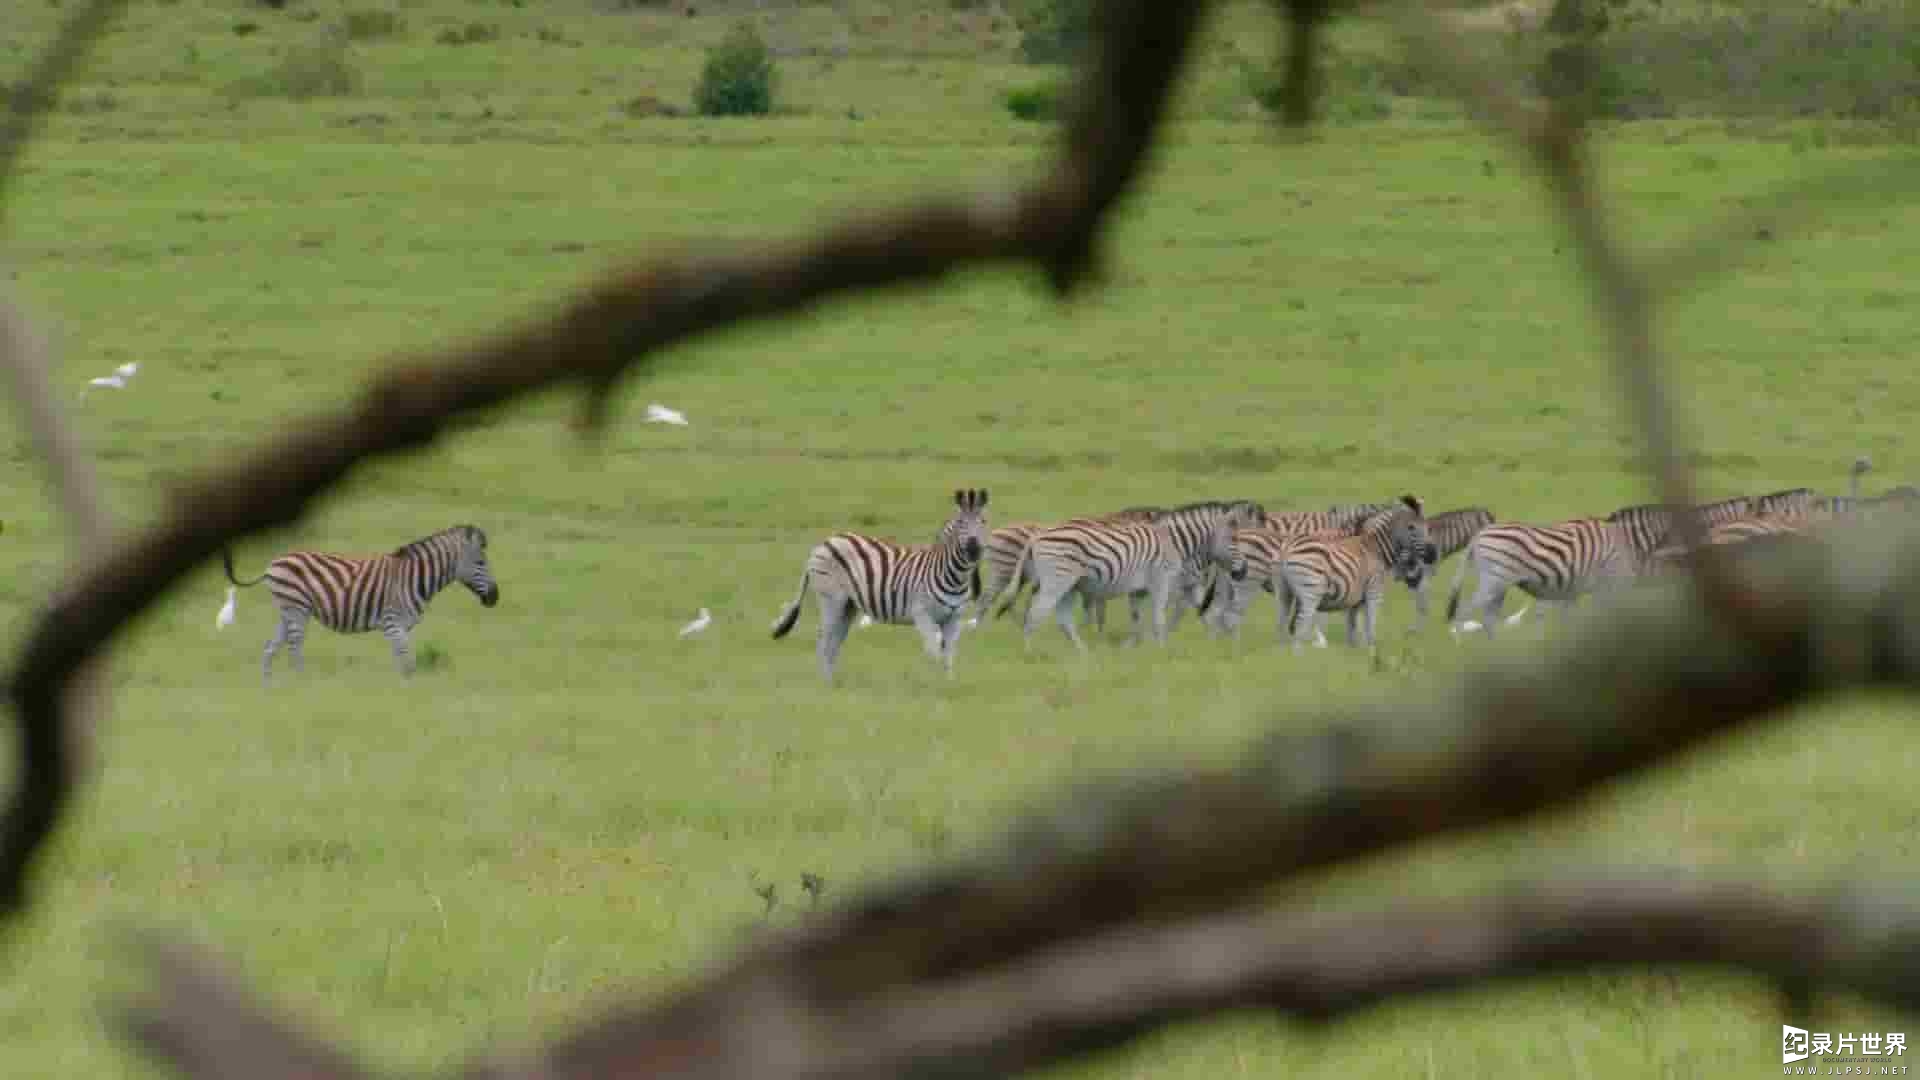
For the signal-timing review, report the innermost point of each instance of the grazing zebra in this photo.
(1143, 559)
(1005, 567)
(388, 593)
(1350, 574)
(1556, 563)
(1450, 532)
(925, 586)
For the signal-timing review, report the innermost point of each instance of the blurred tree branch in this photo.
(1101, 916)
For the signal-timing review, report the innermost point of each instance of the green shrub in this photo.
(1036, 101)
(1053, 31)
(738, 77)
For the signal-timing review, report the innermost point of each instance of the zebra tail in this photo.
(792, 613)
(1022, 573)
(1459, 578)
(226, 560)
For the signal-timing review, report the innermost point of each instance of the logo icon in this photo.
(1793, 1044)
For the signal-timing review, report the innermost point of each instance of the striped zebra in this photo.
(1553, 563)
(1146, 560)
(1450, 533)
(924, 586)
(1253, 564)
(1351, 574)
(388, 593)
(1343, 518)
(1006, 568)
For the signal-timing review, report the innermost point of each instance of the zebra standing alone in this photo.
(1556, 563)
(924, 586)
(386, 592)
(1098, 559)
(1351, 574)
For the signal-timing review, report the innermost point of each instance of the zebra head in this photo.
(966, 530)
(1405, 541)
(471, 569)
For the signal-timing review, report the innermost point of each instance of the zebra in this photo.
(924, 586)
(1143, 559)
(388, 592)
(1556, 563)
(1450, 532)
(1252, 566)
(1351, 574)
(1343, 518)
(1006, 566)
(1650, 526)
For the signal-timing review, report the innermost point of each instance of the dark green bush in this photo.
(1036, 101)
(738, 77)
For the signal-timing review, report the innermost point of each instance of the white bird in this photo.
(701, 623)
(1471, 625)
(660, 414)
(865, 621)
(121, 376)
(225, 618)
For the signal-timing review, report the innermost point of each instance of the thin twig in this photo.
(615, 327)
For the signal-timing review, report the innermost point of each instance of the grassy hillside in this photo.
(570, 801)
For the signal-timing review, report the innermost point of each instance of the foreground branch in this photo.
(1521, 735)
(619, 322)
(1104, 991)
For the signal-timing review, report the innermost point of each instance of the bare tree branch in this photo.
(612, 328)
(50, 755)
(1105, 990)
(1517, 737)
(33, 98)
(1097, 918)
(1556, 138)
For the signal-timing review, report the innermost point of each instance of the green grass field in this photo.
(573, 802)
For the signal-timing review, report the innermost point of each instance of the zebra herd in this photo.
(1215, 557)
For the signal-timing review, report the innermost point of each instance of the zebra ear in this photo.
(1414, 504)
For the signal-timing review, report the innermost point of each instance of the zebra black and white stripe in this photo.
(1008, 572)
(1450, 533)
(925, 586)
(1351, 574)
(1553, 563)
(1345, 518)
(1142, 559)
(388, 593)
(1253, 565)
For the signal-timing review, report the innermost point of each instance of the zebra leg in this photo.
(273, 646)
(1306, 610)
(1046, 601)
(930, 634)
(836, 618)
(949, 642)
(402, 648)
(1353, 625)
(296, 636)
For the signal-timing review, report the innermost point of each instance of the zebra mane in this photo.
(468, 532)
(1480, 513)
(1221, 505)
